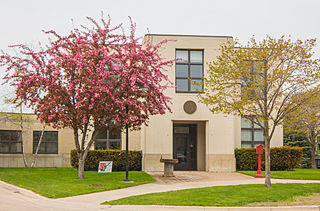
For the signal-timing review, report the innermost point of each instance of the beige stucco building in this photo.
(53, 153)
(199, 139)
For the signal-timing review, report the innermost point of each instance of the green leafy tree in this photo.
(305, 120)
(259, 81)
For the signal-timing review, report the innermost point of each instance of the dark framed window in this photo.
(49, 144)
(251, 134)
(189, 70)
(11, 142)
(253, 79)
(318, 163)
(108, 140)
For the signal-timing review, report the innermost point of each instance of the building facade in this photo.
(200, 140)
(54, 150)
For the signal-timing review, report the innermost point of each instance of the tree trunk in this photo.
(313, 156)
(267, 164)
(81, 167)
(22, 141)
(23, 154)
(83, 152)
(24, 157)
(38, 146)
(82, 158)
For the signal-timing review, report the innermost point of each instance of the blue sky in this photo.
(23, 21)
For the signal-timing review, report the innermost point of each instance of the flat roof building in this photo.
(199, 139)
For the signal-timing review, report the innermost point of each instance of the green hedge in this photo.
(282, 158)
(117, 156)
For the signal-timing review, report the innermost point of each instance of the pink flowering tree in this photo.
(85, 81)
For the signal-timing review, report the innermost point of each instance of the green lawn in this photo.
(63, 182)
(237, 195)
(304, 174)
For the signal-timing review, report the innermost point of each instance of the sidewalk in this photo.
(171, 208)
(15, 198)
(183, 180)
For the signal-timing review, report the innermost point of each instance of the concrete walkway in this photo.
(14, 198)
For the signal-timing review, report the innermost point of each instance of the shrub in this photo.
(117, 156)
(306, 161)
(282, 158)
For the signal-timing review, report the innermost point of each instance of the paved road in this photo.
(13, 198)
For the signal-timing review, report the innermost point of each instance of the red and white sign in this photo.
(105, 167)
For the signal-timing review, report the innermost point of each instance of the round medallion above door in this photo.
(190, 107)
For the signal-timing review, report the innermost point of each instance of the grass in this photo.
(237, 195)
(63, 182)
(300, 174)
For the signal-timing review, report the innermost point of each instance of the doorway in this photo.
(185, 146)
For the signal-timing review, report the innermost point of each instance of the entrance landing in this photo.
(198, 177)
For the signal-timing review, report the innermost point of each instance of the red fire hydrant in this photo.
(259, 151)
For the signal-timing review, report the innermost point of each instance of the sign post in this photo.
(259, 151)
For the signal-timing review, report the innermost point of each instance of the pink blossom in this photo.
(67, 83)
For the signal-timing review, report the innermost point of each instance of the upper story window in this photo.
(251, 134)
(10, 142)
(49, 143)
(189, 70)
(253, 79)
(108, 140)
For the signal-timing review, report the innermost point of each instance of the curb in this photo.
(188, 208)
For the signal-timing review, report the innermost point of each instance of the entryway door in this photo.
(185, 146)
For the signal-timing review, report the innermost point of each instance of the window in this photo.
(49, 144)
(318, 163)
(189, 70)
(108, 140)
(252, 79)
(10, 142)
(251, 134)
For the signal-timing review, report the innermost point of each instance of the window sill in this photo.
(10, 153)
(187, 92)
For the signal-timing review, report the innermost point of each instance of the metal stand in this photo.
(127, 149)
